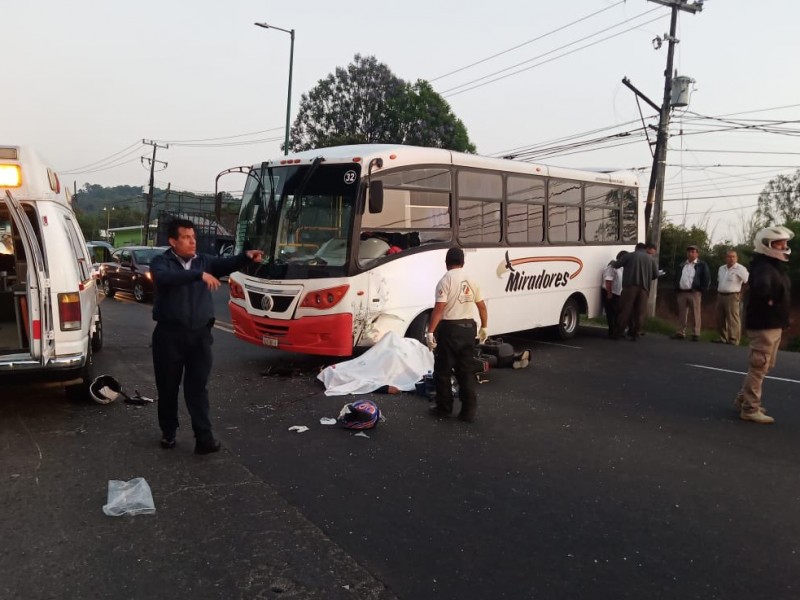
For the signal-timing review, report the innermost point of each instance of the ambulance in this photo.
(50, 322)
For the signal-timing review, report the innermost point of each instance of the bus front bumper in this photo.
(329, 335)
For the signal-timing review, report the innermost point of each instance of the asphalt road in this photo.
(604, 470)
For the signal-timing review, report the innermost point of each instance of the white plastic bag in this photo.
(129, 498)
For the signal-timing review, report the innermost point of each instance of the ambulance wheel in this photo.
(419, 327)
(569, 320)
(97, 336)
(79, 392)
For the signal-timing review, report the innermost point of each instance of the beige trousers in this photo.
(729, 323)
(689, 301)
(764, 345)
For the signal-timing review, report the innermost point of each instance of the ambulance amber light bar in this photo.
(9, 154)
(10, 176)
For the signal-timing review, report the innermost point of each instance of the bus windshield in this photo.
(300, 215)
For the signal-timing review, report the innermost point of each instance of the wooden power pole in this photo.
(149, 207)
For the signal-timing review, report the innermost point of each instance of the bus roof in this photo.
(34, 180)
(397, 155)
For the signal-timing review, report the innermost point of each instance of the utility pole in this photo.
(166, 196)
(149, 207)
(655, 191)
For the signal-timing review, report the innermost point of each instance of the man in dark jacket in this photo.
(639, 269)
(766, 315)
(184, 313)
(692, 278)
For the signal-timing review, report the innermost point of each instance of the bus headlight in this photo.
(237, 291)
(322, 299)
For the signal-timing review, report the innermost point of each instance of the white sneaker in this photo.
(756, 417)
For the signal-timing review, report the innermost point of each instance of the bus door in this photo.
(33, 302)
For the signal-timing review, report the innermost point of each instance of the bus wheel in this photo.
(419, 327)
(569, 320)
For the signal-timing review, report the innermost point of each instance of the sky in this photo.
(87, 80)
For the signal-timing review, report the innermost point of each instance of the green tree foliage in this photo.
(779, 201)
(125, 206)
(674, 240)
(365, 103)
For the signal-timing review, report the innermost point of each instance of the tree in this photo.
(365, 103)
(779, 201)
(674, 240)
(426, 120)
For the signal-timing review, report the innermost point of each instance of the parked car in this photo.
(101, 243)
(99, 253)
(129, 271)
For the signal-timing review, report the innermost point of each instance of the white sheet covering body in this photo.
(394, 360)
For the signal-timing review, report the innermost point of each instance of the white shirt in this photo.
(687, 275)
(187, 263)
(615, 276)
(459, 294)
(730, 280)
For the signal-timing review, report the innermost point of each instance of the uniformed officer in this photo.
(453, 323)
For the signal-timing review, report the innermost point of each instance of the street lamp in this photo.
(289, 96)
(108, 221)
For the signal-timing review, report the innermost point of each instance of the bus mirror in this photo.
(376, 196)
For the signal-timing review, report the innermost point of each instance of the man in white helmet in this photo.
(766, 315)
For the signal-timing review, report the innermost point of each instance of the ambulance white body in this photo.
(50, 321)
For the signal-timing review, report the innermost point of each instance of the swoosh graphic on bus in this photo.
(509, 264)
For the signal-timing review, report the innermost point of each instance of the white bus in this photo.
(355, 239)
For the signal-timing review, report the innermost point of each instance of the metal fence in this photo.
(212, 238)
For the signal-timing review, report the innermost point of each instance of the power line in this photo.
(539, 64)
(692, 198)
(536, 39)
(129, 150)
(226, 137)
(114, 166)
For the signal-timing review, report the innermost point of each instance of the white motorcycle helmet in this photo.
(105, 389)
(765, 237)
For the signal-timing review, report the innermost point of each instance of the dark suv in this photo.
(129, 271)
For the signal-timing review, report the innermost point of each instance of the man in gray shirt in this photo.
(639, 270)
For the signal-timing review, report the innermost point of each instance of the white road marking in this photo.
(742, 373)
(560, 345)
(223, 326)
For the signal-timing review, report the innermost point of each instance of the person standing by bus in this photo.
(730, 279)
(692, 279)
(184, 315)
(766, 315)
(451, 336)
(612, 289)
(639, 269)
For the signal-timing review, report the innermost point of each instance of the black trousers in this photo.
(611, 308)
(183, 354)
(632, 311)
(455, 351)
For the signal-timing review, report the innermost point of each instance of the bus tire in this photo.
(419, 327)
(569, 320)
